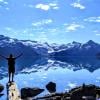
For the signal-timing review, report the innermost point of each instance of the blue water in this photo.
(64, 78)
(65, 75)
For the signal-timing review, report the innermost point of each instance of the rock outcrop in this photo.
(1, 88)
(30, 92)
(51, 87)
(84, 92)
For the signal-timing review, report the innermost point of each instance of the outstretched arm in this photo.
(3, 57)
(19, 56)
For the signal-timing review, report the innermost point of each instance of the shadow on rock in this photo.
(1, 89)
(30, 92)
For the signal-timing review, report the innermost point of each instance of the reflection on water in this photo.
(66, 74)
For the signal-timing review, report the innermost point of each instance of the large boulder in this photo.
(1, 88)
(30, 92)
(1, 95)
(85, 92)
(52, 96)
(51, 87)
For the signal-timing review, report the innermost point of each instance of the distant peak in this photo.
(74, 42)
(90, 41)
(1, 36)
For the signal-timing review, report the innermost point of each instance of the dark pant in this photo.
(11, 70)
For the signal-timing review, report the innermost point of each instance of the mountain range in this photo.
(34, 48)
(36, 53)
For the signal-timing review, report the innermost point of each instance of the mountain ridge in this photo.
(44, 49)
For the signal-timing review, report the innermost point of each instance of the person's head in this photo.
(10, 55)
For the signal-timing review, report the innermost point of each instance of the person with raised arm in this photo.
(11, 65)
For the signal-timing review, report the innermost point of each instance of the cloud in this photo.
(8, 28)
(98, 34)
(78, 5)
(72, 85)
(7, 8)
(43, 6)
(43, 22)
(1, 0)
(54, 5)
(95, 31)
(73, 27)
(47, 7)
(4, 2)
(24, 33)
(93, 19)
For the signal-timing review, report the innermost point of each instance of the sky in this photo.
(52, 21)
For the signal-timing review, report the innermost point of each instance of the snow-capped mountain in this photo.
(34, 48)
(75, 49)
(29, 47)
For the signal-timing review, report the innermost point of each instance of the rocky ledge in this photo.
(1, 89)
(84, 92)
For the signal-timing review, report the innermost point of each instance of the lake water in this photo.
(66, 75)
